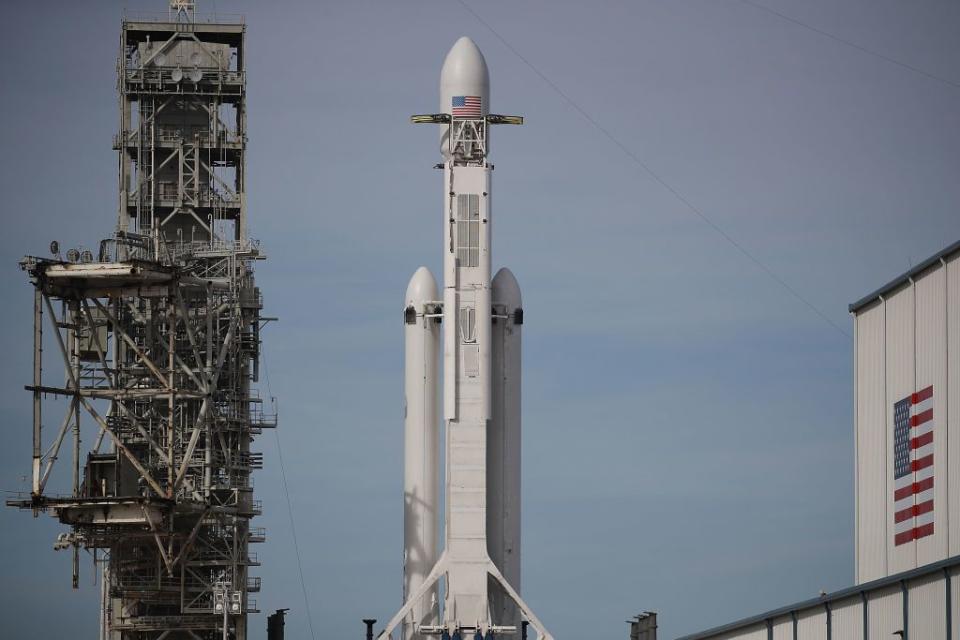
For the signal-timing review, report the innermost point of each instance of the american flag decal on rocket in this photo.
(466, 106)
(913, 466)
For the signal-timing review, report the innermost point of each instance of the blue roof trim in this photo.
(904, 278)
(843, 594)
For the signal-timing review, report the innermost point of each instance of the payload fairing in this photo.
(476, 326)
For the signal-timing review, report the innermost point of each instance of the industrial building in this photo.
(907, 478)
(155, 342)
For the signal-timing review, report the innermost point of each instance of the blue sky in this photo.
(687, 421)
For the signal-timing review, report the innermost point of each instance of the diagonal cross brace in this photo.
(132, 344)
(93, 412)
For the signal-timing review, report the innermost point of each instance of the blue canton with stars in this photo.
(901, 438)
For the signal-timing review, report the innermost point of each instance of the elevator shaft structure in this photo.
(474, 328)
(158, 336)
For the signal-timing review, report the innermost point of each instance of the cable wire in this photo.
(286, 490)
(636, 159)
(853, 45)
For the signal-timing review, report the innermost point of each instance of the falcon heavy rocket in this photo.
(475, 327)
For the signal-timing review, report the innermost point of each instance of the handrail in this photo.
(198, 18)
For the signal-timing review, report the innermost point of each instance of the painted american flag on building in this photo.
(913, 466)
(466, 106)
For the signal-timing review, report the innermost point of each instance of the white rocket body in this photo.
(479, 338)
(421, 446)
(503, 444)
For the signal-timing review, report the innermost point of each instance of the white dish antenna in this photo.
(195, 75)
(177, 74)
(159, 60)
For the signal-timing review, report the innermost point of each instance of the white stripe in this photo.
(923, 452)
(920, 407)
(903, 482)
(924, 518)
(903, 503)
(923, 474)
(923, 496)
(906, 525)
(906, 503)
(923, 429)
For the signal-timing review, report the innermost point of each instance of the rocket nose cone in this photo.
(422, 288)
(506, 289)
(464, 75)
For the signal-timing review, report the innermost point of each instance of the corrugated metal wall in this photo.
(927, 606)
(848, 619)
(757, 632)
(783, 629)
(921, 593)
(812, 624)
(953, 400)
(955, 602)
(871, 447)
(900, 377)
(884, 613)
(905, 342)
(931, 368)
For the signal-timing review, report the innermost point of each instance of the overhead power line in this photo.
(643, 165)
(852, 45)
(286, 490)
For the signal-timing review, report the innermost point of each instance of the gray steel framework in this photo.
(159, 338)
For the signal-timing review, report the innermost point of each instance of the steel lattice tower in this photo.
(159, 337)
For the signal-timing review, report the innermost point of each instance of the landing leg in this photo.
(438, 570)
(527, 612)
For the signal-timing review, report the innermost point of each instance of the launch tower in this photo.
(158, 334)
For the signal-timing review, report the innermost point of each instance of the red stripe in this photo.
(921, 395)
(922, 463)
(913, 510)
(910, 489)
(922, 417)
(919, 441)
(913, 534)
(923, 507)
(903, 514)
(906, 536)
(904, 492)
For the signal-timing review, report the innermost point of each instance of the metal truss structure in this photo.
(159, 338)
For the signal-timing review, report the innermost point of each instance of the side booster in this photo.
(474, 326)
